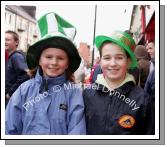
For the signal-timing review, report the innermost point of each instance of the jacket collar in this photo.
(46, 83)
(124, 87)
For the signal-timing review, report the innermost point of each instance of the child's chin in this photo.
(113, 78)
(53, 75)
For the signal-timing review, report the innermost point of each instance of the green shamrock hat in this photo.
(124, 40)
(55, 32)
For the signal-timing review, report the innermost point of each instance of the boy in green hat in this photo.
(45, 105)
(114, 105)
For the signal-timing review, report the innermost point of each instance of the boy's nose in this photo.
(54, 61)
(112, 62)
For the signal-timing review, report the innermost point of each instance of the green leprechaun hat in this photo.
(124, 40)
(55, 32)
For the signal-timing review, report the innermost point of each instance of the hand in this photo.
(7, 96)
(28, 72)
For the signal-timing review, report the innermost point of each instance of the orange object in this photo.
(126, 121)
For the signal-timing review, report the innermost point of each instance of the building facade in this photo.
(21, 19)
(142, 23)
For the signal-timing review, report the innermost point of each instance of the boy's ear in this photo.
(17, 43)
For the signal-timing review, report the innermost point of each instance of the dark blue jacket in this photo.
(125, 111)
(150, 85)
(15, 72)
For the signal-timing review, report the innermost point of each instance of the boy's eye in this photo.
(60, 58)
(106, 58)
(119, 57)
(49, 57)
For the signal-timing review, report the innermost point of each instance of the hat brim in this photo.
(99, 40)
(36, 49)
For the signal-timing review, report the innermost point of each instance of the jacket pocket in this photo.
(62, 114)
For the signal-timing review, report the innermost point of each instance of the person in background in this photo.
(45, 104)
(87, 71)
(150, 82)
(6, 56)
(16, 67)
(79, 73)
(143, 65)
(150, 47)
(96, 69)
(150, 85)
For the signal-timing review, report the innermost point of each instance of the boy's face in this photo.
(114, 62)
(151, 49)
(10, 43)
(53, 62)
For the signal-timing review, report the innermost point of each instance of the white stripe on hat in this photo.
(52, 23)
(70, 32)
(58, 34)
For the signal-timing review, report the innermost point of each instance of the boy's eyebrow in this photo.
(48, 54)
(119, 54)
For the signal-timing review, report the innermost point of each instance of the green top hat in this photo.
(55, 32)
(124, 40)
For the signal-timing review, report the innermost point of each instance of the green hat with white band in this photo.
(54, 32)
(124, 40)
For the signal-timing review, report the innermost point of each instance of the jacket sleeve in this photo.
(76, 125)
(20, 66)
(149, 128)
(13, 115)
(150, 85)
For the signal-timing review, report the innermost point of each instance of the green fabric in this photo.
(63, 23)
(43, 26)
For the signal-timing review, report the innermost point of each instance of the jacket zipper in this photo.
(107, 118)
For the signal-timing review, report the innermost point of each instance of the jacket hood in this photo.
(102, 81)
